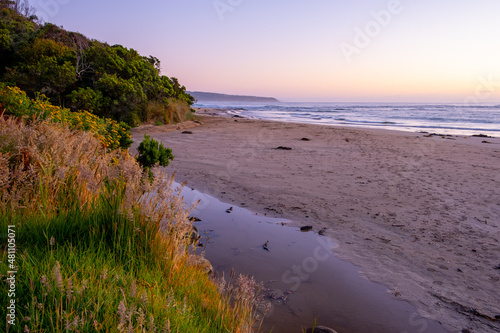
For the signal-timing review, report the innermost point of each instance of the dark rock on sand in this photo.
(265, 246)
(229, 210)
(283, 148)
(187, 132)
(306, 228)
(194, 219)
(320, 329)
(305, 139)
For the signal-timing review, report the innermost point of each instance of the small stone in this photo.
(187, 132)
(283, 148)
(306, 228)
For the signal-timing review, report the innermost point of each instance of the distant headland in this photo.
(214, 97)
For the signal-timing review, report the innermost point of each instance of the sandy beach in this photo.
(418, 213)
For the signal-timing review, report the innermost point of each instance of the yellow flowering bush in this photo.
(15, 102)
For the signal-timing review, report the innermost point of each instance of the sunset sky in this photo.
(321, 50)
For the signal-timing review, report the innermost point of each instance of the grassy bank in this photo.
(94, 253)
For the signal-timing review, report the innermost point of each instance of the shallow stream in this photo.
(303, 279)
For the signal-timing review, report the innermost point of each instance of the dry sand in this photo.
(418, 214)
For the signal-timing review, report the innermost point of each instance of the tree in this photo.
(45, 66)
(152, 153)
(70, 69)
(22, 7)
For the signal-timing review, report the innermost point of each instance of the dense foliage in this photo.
(83, 74)
(14, 102)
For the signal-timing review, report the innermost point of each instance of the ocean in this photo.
(446, 119)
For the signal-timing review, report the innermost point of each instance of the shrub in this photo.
(15, 102)
(169, 111)
(152, 153)
(176, 111)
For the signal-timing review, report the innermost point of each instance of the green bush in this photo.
(152, 153)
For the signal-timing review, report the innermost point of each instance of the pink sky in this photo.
(322, 50)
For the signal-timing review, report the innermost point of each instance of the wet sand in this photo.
(418, 214)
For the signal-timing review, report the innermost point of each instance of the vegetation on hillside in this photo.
(98, 248)
(83, 74)
(90, 242)
(14, 102)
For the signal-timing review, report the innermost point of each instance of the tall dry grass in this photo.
(172, 112)
(44, 167)
(100, 248)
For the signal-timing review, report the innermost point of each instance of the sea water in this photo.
(449, 119)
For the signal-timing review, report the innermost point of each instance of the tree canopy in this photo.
(83, 74)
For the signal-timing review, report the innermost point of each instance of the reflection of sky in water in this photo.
(300, 267)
